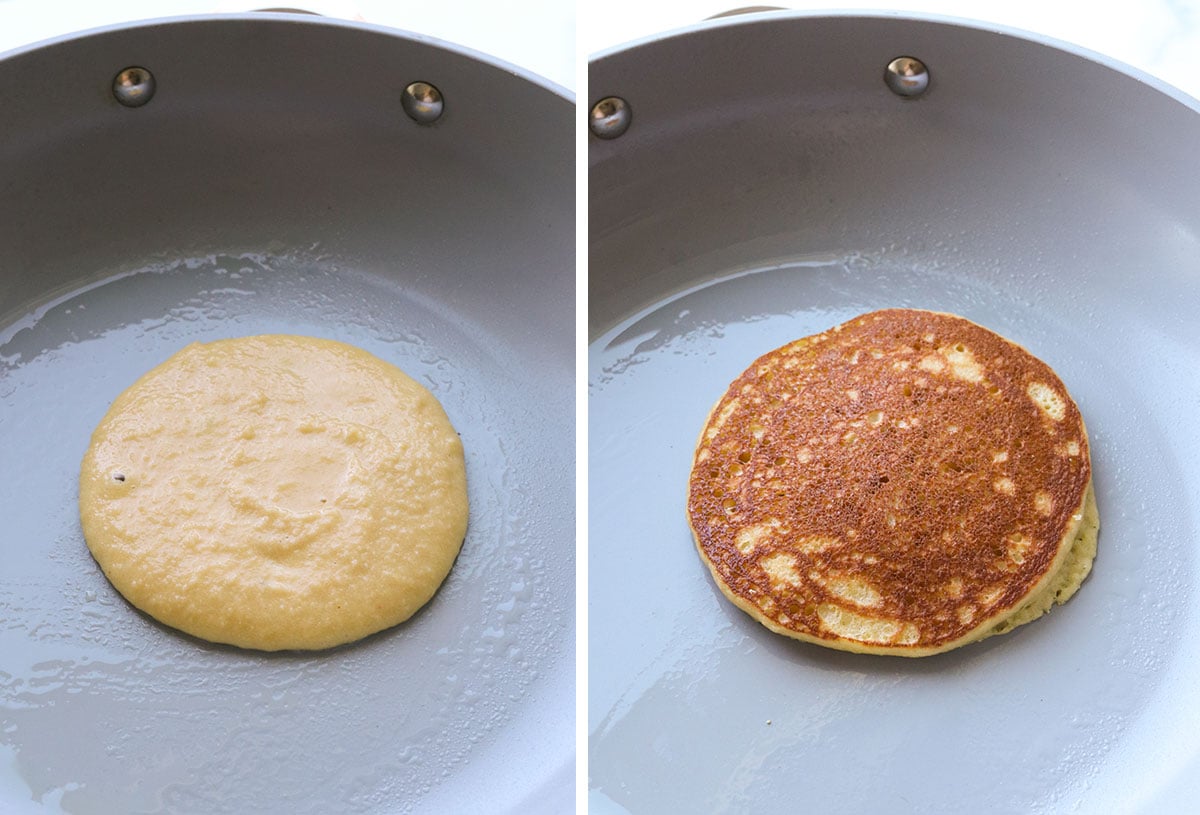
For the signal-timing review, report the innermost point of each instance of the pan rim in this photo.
(601, 58)
(275, 17)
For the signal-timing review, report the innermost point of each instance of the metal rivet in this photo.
(423, 103)
(133, 87)
(907, 76)
(610, 117)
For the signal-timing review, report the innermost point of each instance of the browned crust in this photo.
(855, 458)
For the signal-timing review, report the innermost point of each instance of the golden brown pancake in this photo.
(904, 483)
(275, 492)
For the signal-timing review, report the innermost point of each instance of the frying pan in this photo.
(275, 183)
(770, 184)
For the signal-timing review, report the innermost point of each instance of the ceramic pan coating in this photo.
(772, 186)
(275, 184)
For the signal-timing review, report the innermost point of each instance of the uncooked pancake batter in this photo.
(275, 492)
(904, 483)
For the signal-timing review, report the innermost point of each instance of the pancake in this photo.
(904, 483)
(275, 492)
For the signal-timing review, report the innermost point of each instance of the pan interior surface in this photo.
(262, 193)
(723, 229)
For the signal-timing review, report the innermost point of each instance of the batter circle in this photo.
(275, 492)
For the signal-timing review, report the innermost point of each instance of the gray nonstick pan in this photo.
(775, 178)
(287, 174)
